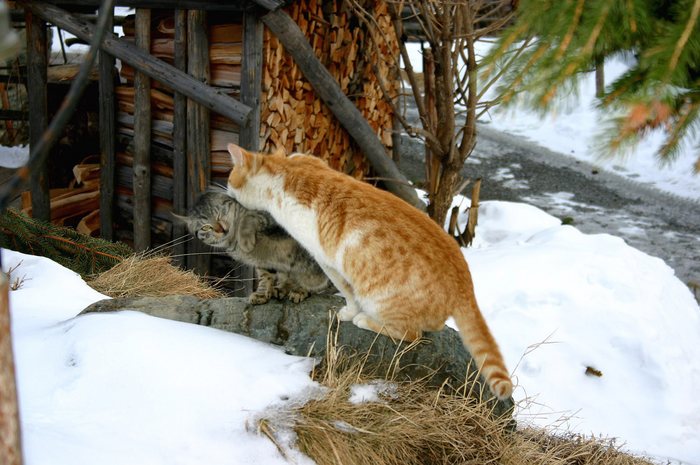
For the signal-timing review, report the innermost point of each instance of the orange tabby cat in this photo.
(399, 272)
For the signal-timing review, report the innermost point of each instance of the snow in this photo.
(557, 300)
(569, 301)
(129, 388)
(14, 157)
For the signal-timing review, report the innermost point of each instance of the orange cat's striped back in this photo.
(399, 272)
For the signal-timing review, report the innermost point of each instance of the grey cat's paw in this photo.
(259, 298)
(297, 295)
(279, 293)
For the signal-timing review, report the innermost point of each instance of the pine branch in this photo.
(83, 254)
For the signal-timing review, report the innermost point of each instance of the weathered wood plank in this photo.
(161, 186)
(296, 44)
(14, 115)
(209, 97)
(198, 128)
(142, 139)
(251, 79)
(251, 90)
(107, 140)
(10, 434)
(180, 140)
(183, 4)
(38, 111)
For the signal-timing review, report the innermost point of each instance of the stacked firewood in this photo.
(78, 203)
(225, 49)
(225, 56)
(293, 117)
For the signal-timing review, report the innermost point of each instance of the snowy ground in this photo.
(128, 388)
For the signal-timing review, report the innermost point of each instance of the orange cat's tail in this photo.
(484, 350)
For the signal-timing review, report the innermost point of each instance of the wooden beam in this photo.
(209, 97)
(198, 129)
(10, 440)
(296, 44)
(251, 90)
(14, 115)
(210, 5)
(180, 141)
(142, 139)
(251, 79)
(107, 141)
(38, 112)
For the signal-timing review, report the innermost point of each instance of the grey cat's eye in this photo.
(207, 227)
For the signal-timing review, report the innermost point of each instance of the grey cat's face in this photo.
(210, 218)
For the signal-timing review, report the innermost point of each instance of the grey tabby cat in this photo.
(284, 268)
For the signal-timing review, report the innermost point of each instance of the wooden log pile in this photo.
(225, 56)
(291, 114)
(295, 118)
(78, 203)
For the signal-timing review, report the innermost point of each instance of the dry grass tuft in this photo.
(151, 276)
(412, 423)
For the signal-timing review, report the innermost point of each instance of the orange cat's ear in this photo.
(239, 156)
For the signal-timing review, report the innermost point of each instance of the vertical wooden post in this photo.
(10, 440)
(142, 139)
(198, 133)
(37, 62)
(251, 90)
(251, 78)
(432, 162)
(107, 140)
(180, 139)
(599, 77)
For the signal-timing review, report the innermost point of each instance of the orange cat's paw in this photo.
(347, 313)
(361, 320)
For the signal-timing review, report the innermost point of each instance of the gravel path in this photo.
(511, 168)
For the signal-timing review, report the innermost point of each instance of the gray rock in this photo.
(303, 329)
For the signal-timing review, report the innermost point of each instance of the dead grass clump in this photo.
(151, 276)
(413, 423)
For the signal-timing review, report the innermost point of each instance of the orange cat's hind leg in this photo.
(393, 330)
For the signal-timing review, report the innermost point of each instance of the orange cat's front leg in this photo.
(351, 308)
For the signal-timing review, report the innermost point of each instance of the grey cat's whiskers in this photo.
(216, 187)
(192, 254)
(173, 243)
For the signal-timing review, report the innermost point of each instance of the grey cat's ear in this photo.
(180, 218)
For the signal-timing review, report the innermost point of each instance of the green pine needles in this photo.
(83, 254)
(552, 42)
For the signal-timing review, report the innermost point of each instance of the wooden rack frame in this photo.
(193, 99)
